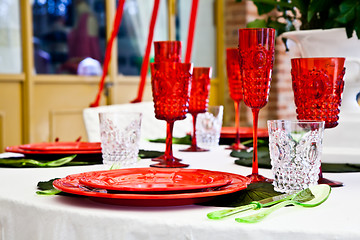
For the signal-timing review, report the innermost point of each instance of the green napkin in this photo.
(10, 162)
(183, 140)
(254, 192)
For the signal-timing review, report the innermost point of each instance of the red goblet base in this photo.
(163, 158)
(254, 178)
(238, 147)
(329, 182)
(169, 163)
(194, 149)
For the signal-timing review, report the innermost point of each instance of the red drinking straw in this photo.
(117, 21)
(145, 63)
(190, 38)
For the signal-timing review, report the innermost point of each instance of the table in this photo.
(26, 215)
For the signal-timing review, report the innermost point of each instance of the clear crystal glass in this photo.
(120, 136)
(295, 152)
(208, 127)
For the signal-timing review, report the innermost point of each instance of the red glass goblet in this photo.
(236, 91)
(171, 90)
(317, 85)
(256, 56)
(199, 100)
(167, 51)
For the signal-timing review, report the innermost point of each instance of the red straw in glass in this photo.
(117, 21)
(190, 38)
(145, 63)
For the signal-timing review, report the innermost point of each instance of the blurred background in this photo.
(52, 52)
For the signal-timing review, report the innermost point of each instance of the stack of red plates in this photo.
(152, 186)
(91, 151)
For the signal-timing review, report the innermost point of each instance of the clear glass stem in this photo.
(255, 112)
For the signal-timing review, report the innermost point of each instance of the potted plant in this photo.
(285, 15)
(323, 28)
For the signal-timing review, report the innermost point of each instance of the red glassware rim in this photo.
(317, 58)
(256, 29)
(172, 63)
(168, 41)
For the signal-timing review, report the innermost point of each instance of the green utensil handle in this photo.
(228, 212)
(257, 217)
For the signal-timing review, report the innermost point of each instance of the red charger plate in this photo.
(62, 146)
(71, 184)
(154, 179)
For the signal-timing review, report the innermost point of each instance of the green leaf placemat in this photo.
(183, 140)
(149, 154)
(11, 162)
(254, 192)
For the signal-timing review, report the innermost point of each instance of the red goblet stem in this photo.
(237, 123)
(255, 112)
(169, 130)
(193, 141)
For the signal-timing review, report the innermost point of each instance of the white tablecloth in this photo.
(26, 215)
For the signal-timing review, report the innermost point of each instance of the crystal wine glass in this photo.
(167, 51)
(317, 85)
(171, 90)
(236, 91)
(256, 56)
(199, 99)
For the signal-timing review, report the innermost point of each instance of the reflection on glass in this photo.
(69, 36)
(133, 33)
(10, 38)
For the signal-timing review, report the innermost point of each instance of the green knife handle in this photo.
(228, 212)
(257, 217)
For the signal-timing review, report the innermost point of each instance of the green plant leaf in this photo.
(347, 12)
(263, 8)
(254, 192)
(257, 23)
(315, 7)
(357, 22)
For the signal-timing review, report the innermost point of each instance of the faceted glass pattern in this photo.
(120, 136)
(317, 85)
(295, 152)
(167, 51)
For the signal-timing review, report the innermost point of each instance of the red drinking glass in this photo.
(236, 91)
(256, 57)
(167, 51)
(318, 85)
(171, 91)
(199, 100)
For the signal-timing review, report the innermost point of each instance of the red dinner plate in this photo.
(88, 156)
(63, 146)
(71, 184)
(245, 132)
(154, 179)
(18, 149)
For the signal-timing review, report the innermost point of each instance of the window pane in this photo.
(133, 33)
(69, 36)
(204, 45)
(10, 37)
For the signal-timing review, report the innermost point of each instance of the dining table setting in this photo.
(217, 182)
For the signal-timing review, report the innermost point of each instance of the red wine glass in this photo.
(256, 57)
(236, 91)
(318, 85)
(170, 83)
(199, 100)
(167, 51)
